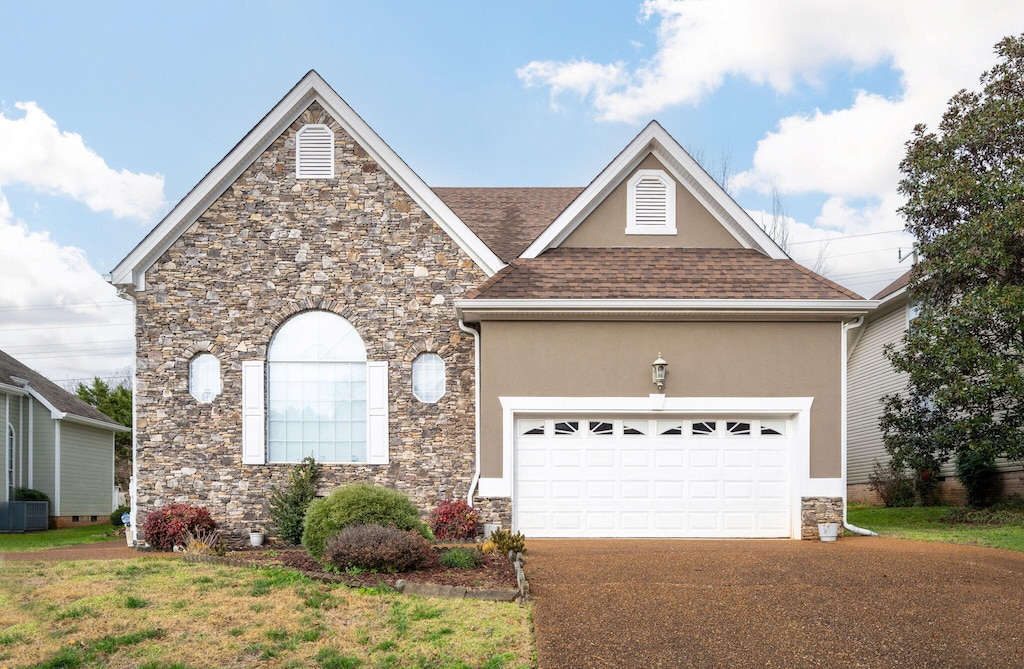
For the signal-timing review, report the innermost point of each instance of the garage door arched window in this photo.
(428, 377)
(316, 398)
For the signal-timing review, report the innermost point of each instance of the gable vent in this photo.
(651, 203)
(314, 152)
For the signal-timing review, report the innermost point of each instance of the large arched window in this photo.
(10, 462)
(316, 398)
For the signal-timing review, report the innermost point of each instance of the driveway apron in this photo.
(858, 602)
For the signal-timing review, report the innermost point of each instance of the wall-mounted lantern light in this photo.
(658, 372)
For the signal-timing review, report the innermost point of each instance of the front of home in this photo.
(313, 296)
(57, 444)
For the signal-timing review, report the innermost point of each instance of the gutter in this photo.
(846, 523)
(476, 407)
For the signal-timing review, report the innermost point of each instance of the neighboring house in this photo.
(313, 296)
(870, 378)
(56, 443)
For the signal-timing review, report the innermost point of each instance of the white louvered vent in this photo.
(314, 152)
(651, 204)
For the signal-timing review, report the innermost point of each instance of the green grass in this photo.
(72, 536)
(931, 523)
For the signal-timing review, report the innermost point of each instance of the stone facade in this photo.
(814, 510)
(272, 246)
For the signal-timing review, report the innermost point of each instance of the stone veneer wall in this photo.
(814, 510)
(272, 246)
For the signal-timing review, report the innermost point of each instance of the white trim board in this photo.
(130, 272)
(795, 408)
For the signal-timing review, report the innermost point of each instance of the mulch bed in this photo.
(496, 571)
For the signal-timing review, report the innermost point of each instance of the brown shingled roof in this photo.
(669, 273)
(54, 394)
(900, 282)
(507, 219)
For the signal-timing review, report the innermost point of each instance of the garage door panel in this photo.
(691, 477)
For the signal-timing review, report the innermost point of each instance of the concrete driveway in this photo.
(859, 602)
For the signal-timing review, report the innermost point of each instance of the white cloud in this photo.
(37, 154)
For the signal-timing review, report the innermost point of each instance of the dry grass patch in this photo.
(159, 614)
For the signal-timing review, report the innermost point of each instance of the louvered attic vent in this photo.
(651, 204)
(314, 152)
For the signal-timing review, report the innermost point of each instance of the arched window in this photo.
(428, 377)
(10, 462)
(316, 399)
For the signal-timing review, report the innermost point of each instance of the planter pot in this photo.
(256, 538)
(828, 531)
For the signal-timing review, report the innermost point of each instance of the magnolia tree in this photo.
(964, 352)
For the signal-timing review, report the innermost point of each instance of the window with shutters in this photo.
(314, 152)
(651, 204)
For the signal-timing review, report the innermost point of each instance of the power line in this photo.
(68, 305)
(50, 327)
(832, 239)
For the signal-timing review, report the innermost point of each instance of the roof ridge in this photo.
(826, 281)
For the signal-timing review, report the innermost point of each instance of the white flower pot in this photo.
(828, 531)
(256, 538)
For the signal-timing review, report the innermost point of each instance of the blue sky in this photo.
(111, 111)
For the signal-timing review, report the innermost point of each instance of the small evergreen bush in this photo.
(168, 527)
(115, 517)
(358, 504)
(461, 558)
(32, 495)
(893, 486)
(377, 548)
(976, 471)
(504, 541)
(288, 506)
(454, 519)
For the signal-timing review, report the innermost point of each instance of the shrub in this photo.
(461, 558)
(288, 506)
(488, 547)
(504, 541)
(378, 548)
(893, 486)
(454, 519)
(167, 527)
(32, 495)
(358, 504)
(976, 471)
(115, 517)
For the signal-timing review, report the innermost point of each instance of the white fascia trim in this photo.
(130, 272)
(92, 422)
(799, 408)
(684, 168)
(13, 390)
(505, 307)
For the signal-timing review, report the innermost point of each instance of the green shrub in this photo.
(976, 471)
(454, 519)
(504, 541)
(377, 548)
(893, 486)
(32, 495)
(358, 504)
(115, 517)
(288, 506)
(462, 558)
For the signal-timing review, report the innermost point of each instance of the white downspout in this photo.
(476, 406)
(853, 528)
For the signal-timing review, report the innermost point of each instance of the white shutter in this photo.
(377, 412)
(253, 400)
(650, 203)
(314, 152)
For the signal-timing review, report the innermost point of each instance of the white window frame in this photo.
(195, 376)
(428, 363)
(667, 226)
(314, 154)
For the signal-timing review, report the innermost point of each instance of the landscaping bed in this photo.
(494, 572)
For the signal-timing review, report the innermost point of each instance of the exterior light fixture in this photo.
(658, 372)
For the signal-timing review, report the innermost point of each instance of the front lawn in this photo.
(159, 614)
(72, 536)
(934, 523)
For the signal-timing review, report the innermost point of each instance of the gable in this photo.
(607, 225)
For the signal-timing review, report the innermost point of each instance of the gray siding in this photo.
(869, 378)
(87, 470)
(42, 461)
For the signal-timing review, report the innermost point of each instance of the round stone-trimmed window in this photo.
(428, 377)
(204, 377)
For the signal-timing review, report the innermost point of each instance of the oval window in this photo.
(428, 377)
(204, 377)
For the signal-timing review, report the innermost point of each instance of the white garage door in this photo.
(628, 477)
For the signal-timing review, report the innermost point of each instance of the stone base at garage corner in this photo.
(814, 510)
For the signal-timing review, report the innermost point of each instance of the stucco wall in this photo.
(272, 246)
(706, 359)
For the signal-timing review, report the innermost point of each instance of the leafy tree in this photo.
(116, 403)
(964, 353)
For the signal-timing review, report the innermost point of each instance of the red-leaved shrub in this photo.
(378, 548)
(165, 528)
(454, 519)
